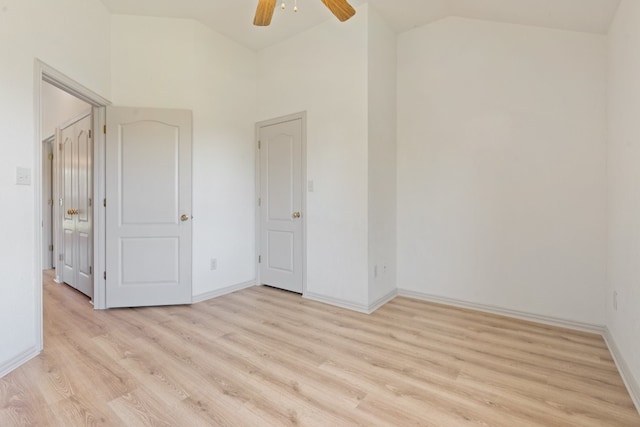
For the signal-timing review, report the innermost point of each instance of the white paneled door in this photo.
(148, 207)
(76, 162)
(280, 210)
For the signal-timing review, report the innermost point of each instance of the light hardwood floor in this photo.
(267, 357)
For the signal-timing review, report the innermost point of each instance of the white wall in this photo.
(58, 107)
(173, 63)
(324, 71)
(502, 167)
(624, 185)
(382, 130)
(33, 29)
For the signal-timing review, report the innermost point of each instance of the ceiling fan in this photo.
(340, 8)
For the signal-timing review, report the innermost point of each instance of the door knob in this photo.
(73, 211)
(184, 218)
(296, 215)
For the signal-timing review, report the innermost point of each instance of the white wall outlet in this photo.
(213, 264)
(310, 186)
(375, 271)
(23, 176)
(615, 300)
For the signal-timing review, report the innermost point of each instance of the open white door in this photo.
(76, 154)
(148, 207)
(280, 211)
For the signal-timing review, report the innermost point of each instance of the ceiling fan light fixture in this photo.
(340, 8)
(283, 6)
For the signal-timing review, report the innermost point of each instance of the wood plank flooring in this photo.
(263, 357)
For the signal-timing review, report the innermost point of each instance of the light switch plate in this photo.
(23, 176)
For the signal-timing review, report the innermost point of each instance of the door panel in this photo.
(68, 262)
(68, 203)
(138, 254)
(280, 170)
(148, 190)
(281, 250)
(77, 211)
(84, 208)
(281, 193)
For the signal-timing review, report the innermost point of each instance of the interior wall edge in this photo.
(532, 317)
(382, 300)
(360, 308)
(19, 360)
(337, 302)
(633, 386)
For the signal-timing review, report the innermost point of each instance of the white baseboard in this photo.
(382, 300)
(633, 386)
(548, 320)
(219, 292)
(361, 308)
(18, 360)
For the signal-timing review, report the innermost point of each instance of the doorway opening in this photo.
(48, 80)
(67, 170)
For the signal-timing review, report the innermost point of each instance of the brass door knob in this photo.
(184, 218)
(296, 215)
(73, 211)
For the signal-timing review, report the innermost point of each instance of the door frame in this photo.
(48, 166)
(45, 73)
(302, 116)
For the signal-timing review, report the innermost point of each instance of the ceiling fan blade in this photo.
(341, 8)
(264, 12)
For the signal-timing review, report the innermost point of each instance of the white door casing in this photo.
(280, 211)
(47, 203)
(76, 166)
(148, 207)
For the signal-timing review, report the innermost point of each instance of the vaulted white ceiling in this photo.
(234, 18)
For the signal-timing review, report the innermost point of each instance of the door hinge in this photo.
(90, 133)
(104, 129)
(259, 201)
(259, 145)
(50, 156)
(50, 248)
(60, 257)
(90, 202)
(259, 259)
(104, 275)
(60, 146)
(50, 202)
(90, 270)
(104, 202)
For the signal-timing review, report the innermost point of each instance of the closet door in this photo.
(76, 153)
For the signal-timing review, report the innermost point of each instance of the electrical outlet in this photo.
(615, 300)
(214, 264)
(375, 271)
